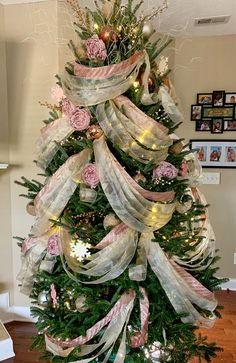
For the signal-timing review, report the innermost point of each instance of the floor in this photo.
(224, 333)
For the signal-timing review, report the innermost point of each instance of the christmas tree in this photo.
(120, 260)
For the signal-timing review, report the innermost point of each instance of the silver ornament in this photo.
(147, 30)
(44, 298)
(88, 195)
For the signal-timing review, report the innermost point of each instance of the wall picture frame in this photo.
(218, 98)
(217, 126)
(203, 125)
(230, 98)
(204, 98)
(225, 112)
(196, 112)
(215, 153)
(230, 125)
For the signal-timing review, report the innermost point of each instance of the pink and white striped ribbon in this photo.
(141, 337)
(192, 282)
(120, 305)
(111, 236)
(108, 71)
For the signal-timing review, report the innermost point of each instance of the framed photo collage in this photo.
(215, 112)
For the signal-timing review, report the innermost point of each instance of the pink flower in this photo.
(53, 247)
(57, 93)
(53, 294)
(80, 119)
(90, 175)
(165, 169)
(67, 107)
(95, 48)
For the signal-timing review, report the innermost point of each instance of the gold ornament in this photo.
(108, 34)
(139, 177)
(176, 148)
(110, 220)
(94, 132)
(80, 304)
(30, 208)
(147, 30)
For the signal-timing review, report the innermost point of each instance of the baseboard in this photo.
(230, 285)
(11, 313)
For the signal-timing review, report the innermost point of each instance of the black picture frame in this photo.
(203, 125)
(225, 112)
(204, 98)
(218, 98)
(228, 100)
(196, 112)
(217, 126)
(215, 153)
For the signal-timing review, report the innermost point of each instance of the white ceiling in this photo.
(178, 19)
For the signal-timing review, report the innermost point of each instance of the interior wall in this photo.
(6, 274)
(205, 64)
(32, 62)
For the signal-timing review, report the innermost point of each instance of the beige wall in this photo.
(6, 273)
(202, 65)
(32, 62)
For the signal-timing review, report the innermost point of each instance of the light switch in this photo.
(211, 178)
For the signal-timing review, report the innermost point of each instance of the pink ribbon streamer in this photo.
(140, 338)
(192, 282)
(107, 71)
(111, 236)
(120, 305)
(28, 243)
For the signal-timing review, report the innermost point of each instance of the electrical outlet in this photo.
(235, 258)
(211, 178)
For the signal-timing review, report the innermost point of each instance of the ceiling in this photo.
(178, 19)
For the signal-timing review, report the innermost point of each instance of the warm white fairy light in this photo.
(79, 250)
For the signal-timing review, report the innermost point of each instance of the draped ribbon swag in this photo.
(52, 199)
(46, 146)
(133, 131)
(131, 207)
(34, 257)
(90, 86)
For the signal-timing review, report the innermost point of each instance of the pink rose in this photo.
(80, 119)
(95, 48)
(165, 169)
(67, 107)
(53, 247)
(57, 93)
(90, 175)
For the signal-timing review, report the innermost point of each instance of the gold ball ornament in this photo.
(108, 34)
(147, 30)
(139, 177)
(80, 304)
(30, 208)
(94, 132)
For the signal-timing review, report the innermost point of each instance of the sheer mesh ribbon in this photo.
(133, 131)
(52, 199)
(90, 86)
(182, 289)
(131, 207)
(46, 145)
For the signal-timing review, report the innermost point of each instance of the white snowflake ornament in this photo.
(79, 249)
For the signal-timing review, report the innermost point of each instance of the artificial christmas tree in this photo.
(120, 257)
